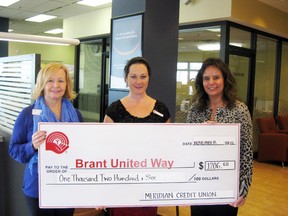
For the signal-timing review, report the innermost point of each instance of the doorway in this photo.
(92, 79)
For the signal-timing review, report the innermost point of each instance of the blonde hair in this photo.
(43, 77)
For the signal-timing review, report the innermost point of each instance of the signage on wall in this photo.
(126, 44)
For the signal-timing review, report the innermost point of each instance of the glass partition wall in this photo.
(240, 57)
(239, 66)
(264, 90)
(194, 46)
(258, 61)
(92, 84)
(197, 44)
(264, 87)
(283, 88)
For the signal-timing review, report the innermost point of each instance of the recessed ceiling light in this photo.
(214, 46)
(6, 3)
(214, 29)
(94, 3)
(236, 44)
(54, 31)
(209, 46)
(40, 18)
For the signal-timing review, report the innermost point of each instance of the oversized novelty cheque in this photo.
(96, 164)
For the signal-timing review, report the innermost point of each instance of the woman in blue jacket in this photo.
(52, 94)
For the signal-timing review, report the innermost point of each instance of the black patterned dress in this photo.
(117, 112)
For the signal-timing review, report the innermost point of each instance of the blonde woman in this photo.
(52, 94)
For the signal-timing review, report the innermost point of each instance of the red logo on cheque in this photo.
(57, 142)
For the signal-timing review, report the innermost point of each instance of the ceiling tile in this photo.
(47, 6)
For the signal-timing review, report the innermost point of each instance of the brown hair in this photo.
(229, 91)
(136, 60)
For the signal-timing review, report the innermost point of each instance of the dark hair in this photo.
(229, 91)
(136, 60)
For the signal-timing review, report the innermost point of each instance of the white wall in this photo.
(99, 22)
(204, 10)
(89, 24)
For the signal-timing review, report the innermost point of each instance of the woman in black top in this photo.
(137, 107)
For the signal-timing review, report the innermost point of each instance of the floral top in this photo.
(238, 114)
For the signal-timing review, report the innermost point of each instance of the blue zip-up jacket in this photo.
(21, 149)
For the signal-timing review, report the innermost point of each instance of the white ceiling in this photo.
(18, 12)
(63, 9)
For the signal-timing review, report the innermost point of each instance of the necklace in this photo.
(214, 110)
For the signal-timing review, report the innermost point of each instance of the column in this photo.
(4, 25)
(159, 45)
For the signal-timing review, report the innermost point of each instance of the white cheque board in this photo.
(113, 165)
